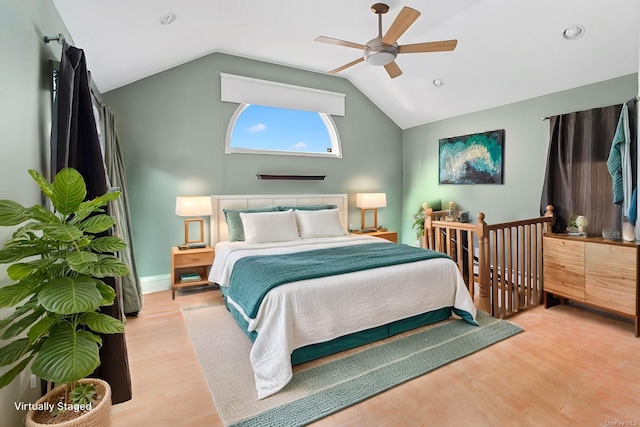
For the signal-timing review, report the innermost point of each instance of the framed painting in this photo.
(472, 159)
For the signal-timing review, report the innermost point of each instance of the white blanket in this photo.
(311, 311)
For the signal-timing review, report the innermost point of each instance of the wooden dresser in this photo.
(593, 271)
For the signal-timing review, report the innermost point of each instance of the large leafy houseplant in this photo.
(57, 258)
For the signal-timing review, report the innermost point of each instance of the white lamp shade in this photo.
(371, 200)
(193, 206)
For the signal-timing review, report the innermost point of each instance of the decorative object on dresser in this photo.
(193, 206)
(370, 202)
(190, 268)
(593, 271)
(577, 225)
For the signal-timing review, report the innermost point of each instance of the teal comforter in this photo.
(254, 276)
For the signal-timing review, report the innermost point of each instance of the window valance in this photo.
(247, 90)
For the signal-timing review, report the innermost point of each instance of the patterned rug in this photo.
(326, 386)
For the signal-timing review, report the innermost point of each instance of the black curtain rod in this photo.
(635, 98)
(59, 38)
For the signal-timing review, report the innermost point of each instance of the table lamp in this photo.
(370, 201)
(193, 206)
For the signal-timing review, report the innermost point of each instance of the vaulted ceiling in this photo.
(508, 50)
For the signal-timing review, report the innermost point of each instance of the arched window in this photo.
(259, 129)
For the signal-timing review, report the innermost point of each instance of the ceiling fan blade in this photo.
(441, 46)
(330, 40)
(405, 18)
(344, 67)
(393, 70)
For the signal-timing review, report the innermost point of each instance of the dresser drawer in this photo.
(563, 263)
(611, 266)
(564, 279)
(568, 250)
(611, 277)
(611, 299)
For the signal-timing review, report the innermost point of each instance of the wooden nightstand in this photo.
(391, 236)
(196, 261)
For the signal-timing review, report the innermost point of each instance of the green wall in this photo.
(172, 127)
(526, 145)
(25, 125)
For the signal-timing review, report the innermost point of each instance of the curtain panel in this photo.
(114, 163)
(75, 143)
(577, 179)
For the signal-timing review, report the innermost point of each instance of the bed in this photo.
(301, 287)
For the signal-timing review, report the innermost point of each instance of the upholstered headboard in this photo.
(218, 228)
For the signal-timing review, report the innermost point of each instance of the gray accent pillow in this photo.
(234, 223)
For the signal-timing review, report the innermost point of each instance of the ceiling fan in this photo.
(383, 50)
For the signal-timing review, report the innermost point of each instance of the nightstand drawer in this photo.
(189, 259)
(391, 236)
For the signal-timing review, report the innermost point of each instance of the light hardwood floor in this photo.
(570, 367)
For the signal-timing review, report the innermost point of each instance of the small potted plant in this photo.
(418, 224)
(57, 258)
(577, 225)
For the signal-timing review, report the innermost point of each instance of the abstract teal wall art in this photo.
(472, 159)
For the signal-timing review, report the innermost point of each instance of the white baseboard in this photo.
(158, 283)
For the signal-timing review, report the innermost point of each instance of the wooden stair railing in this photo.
(508, 266)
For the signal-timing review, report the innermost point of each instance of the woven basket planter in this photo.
(98, 416)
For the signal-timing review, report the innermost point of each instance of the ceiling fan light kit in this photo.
(376, 53)
(383, 50)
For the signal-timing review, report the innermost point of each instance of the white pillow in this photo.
(322, 223)
(262, 227)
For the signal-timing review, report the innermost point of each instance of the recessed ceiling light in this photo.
(168, 18)
(573, 32)
(438, 82)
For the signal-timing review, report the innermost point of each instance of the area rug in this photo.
(330, 384)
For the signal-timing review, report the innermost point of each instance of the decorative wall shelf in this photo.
(292, 177)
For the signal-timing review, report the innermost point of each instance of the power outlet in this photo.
(33, 381)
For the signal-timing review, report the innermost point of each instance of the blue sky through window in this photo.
(280, 129)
